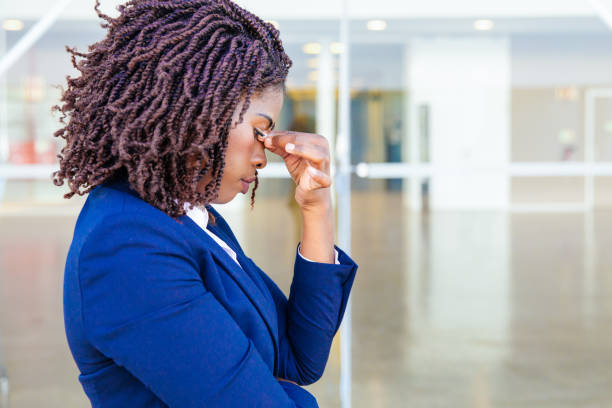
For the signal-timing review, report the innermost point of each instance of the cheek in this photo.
(240, 143)
(238, 149)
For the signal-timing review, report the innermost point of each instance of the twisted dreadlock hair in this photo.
(159, 92)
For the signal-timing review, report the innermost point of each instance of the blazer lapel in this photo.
(268, 307)
(247, 265)
(245, 277)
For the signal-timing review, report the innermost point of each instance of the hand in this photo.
(306, 156)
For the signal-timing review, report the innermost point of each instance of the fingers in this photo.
(279, 138)
(321, 178)
(260, 135)
(314, 154)
(311, 147)
(274, 149)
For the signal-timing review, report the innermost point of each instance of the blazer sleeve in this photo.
(145, 306)
(310, 318)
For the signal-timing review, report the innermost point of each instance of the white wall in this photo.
(561, 60)
(466, 84)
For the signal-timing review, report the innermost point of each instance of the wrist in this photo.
(317, 202)
(316, 208)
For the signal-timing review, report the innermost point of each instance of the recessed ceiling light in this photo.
(336, 48)
(312, 48)
(12, 25)
(274, 23)
(376, 25)
(483, 25)
(313, 76)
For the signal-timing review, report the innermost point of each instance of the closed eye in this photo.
(259, 135)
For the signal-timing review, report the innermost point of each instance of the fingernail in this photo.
(268, 141)
(289, 147)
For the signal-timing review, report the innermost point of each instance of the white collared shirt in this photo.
(200, 217)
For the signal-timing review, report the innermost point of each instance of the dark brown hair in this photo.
(159, 93)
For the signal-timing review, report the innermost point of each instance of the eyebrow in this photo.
(271, 124)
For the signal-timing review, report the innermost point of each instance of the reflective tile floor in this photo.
(453, 309)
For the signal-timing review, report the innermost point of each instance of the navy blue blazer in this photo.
(157, 314)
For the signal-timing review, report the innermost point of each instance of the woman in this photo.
(173, 111)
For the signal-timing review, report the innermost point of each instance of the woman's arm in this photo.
(317, 243)
(309, 319)
(306, 156)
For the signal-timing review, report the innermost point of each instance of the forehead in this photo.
(269, 102)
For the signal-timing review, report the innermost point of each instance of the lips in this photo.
(246, 183)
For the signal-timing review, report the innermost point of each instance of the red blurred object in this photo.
(22, 152)
(31, 152)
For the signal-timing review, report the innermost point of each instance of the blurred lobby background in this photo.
(480, 197)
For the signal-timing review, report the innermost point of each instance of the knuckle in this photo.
(323, 140)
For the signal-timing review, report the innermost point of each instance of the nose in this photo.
(259, 159)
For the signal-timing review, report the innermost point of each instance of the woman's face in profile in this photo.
(245, 153)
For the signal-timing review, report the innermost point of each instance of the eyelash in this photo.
(258, 133)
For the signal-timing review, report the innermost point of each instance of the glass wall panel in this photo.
(603, 129)
(543, 190)
(603, 192)
(547, 124)
(34, 85)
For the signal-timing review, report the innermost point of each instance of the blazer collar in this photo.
(222, 230)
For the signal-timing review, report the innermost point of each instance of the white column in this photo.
(4, 143)
(343, 187)
(589, 149)
(411, 144)
(465, 82)
(326, 101)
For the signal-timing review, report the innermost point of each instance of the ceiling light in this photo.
(336, 48)
(377, 25)
(313, 63)
(483, 25)
(312, 48)
(313, 76)
(12, 25)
